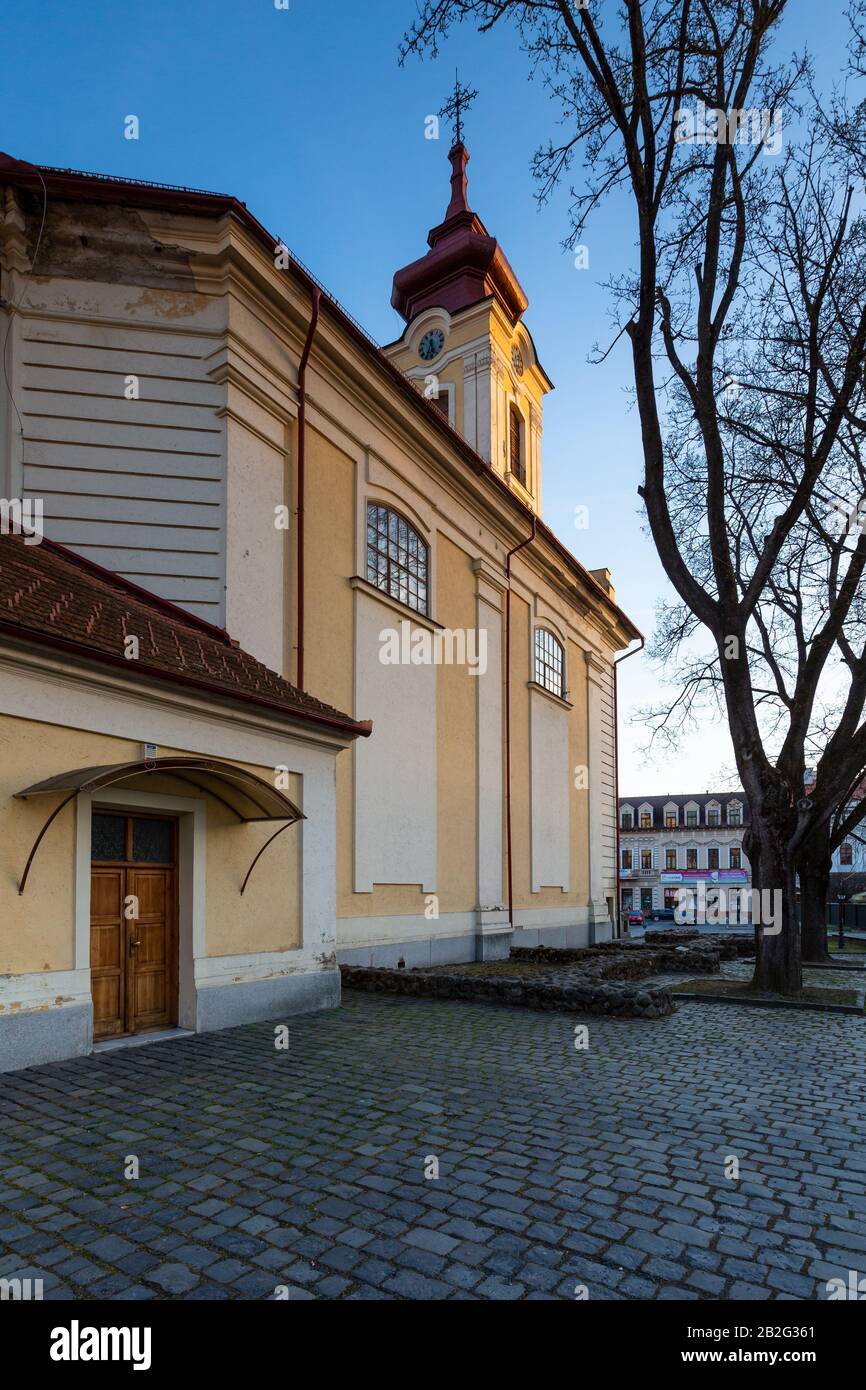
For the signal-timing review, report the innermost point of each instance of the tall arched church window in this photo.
(397, 557)
(549, 662)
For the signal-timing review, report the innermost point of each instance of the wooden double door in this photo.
(133, 923)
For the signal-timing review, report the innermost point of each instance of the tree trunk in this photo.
(777, 930)
(814, 866)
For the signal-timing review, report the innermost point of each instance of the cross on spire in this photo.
(457, 104)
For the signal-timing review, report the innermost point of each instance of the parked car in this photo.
(634, 919)
(661, 914)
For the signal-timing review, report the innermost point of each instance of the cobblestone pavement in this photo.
(557, 1167)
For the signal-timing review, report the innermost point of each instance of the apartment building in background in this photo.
(668, 843)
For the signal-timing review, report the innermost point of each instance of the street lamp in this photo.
(841, 899)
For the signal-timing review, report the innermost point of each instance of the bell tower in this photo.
(465, 345)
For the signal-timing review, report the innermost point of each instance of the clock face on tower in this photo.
(431, 344)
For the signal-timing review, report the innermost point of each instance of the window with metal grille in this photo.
(515, 430)
(396, 557)
(670, 859)
(735, 815)
(627, 820)
(713, 815)
(646, 858)
(549, 662)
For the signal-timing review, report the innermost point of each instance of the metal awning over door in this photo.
(248, 796)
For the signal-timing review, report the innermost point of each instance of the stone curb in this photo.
(791, 1005)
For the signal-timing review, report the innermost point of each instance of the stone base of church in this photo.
(409, 943)
(493, 934)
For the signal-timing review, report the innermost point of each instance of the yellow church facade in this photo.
(191, 411)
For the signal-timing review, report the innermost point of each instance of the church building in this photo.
(349, 607)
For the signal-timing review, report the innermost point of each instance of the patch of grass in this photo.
(810, 994)
(851, 944)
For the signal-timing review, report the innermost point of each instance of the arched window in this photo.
(396, 557)
(549, 662)
(517, 462)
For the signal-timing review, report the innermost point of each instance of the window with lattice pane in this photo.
(549, 662)
(397, 557)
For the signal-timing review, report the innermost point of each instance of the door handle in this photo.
(132, 946)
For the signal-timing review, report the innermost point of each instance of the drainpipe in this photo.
(616, 901)
(511, 552)
(302, 441)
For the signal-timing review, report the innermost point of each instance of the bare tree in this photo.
(749, 275)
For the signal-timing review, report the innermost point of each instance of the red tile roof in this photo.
(51, 596)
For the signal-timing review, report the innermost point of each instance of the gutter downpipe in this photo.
(616, 902)
(511, 552)
(302, 438)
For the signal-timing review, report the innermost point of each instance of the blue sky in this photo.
(306, 116)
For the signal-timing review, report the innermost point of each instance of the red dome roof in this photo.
(464, 264)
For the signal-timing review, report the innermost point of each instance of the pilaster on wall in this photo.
(600, 759)
(477, 402)
(535, 455)
(258, 415)
(489, 589)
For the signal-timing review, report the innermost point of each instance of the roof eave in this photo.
(348, 728)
